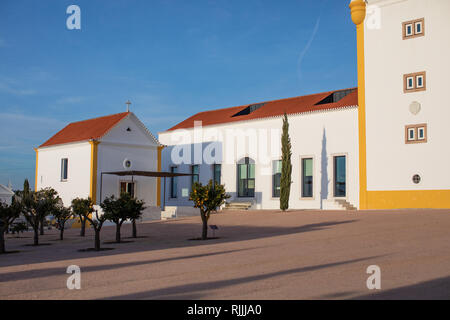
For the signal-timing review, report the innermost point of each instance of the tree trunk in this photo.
(36, 235)
(205, 228)
(83, 227)
(118, 232)
(134, 229)
(2, 240)
(41, 224)
(97, 240)
(61, 232)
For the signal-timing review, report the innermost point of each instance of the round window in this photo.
(416, 179)
(127, 164)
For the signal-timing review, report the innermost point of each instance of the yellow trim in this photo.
(434, 199)
(93, 179)
(158, 185)
(358, 13)
(36, 171)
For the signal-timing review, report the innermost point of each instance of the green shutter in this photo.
(308, 167)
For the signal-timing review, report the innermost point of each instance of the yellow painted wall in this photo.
(435, 199)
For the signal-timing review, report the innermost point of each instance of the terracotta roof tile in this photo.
(273, 108)
(85, 130)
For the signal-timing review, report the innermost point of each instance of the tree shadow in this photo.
(160, 236)
(324, 180)
(194, 288)
(42, 273)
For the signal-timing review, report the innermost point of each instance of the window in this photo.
(307, 178)
(64, 169)
(246, 178)
(195, 174)
(416, 133)
(414, 82)
(340, 176)
(413, 28)
(127, 187)
(416, 179)
(276, 178)
(217, 173)
(173, 183)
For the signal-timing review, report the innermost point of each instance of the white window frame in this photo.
(346, 175)
(421, 129)
(413, 130)
(412, 29)
(417, 81)
(408, 86)
(129, 181)
(67, 169)
(301, 177)
(418, 23)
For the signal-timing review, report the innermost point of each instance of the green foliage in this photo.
(8, 213)
(82, 207)
(286, 166)
(19, 227)
(39, 204)
(207, 198)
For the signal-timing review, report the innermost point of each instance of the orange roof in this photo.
(85, 130)
(273, 108)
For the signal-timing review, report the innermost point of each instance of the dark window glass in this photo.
(173, 183)
(246, 179)
(64, 168)
(340, 176)
(195, 177)
(307, 178)
(276, 178)
(127, 187)
(217, 173)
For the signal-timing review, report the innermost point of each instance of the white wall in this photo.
(390, 162)
(49, 170)
(307, 135)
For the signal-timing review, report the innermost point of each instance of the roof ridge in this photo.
(276, 100)
(98, 118)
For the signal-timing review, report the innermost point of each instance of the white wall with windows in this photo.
(52, 169)
(392, 160)
(253, 174)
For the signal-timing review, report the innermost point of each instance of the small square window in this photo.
(416, 133)
(419, 81)
(418, 27)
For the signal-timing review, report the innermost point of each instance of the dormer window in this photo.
(249, 109)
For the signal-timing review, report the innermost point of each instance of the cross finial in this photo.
(128, 105)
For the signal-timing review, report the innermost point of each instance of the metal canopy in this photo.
(148, 174)
(145, 174)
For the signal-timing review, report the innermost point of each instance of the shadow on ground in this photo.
(153, 236)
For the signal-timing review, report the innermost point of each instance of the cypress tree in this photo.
(286, 166)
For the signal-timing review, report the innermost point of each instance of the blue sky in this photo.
(171, 58)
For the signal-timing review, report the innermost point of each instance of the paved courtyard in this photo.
(259, 255)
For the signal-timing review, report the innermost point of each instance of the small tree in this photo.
(8, 213)
(134, 209)
(36, 206)
(82, 208)
(115, 210)
(97, 224)
(286, 166)
(62, 214)
(207, 198)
